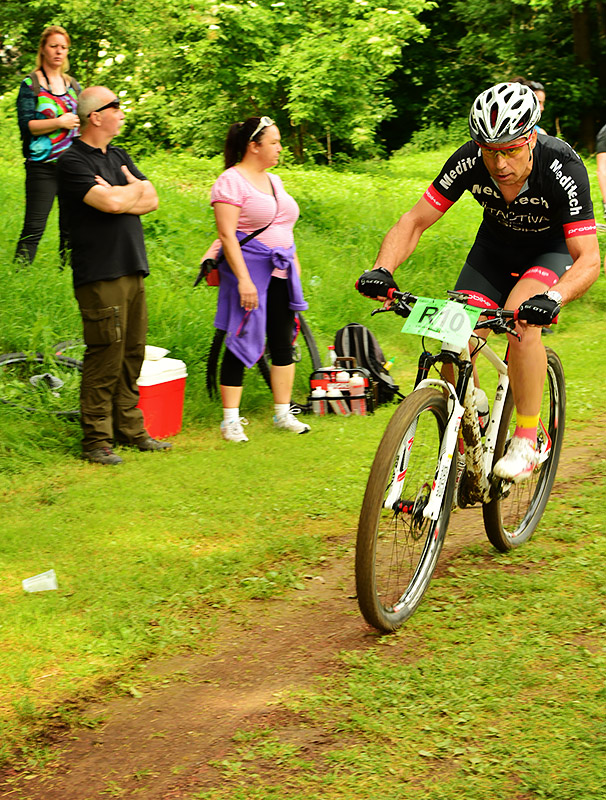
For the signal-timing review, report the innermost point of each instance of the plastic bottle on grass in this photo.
(318, 401)
(337, 401)
(356, 394)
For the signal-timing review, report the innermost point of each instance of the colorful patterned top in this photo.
(47, 105)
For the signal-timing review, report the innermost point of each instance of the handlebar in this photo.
(501, 319)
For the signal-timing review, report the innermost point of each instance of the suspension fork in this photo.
(448, 448)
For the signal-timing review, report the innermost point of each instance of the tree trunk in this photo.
(581, 32)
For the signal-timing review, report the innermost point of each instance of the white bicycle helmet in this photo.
(503, 113)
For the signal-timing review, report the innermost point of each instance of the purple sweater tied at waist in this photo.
(246, 330)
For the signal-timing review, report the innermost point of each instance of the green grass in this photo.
(149, 554)
(495, 688)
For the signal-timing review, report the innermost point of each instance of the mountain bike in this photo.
(305, 355)
(434, 457)
(37, 382)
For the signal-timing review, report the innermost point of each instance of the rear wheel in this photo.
(397, 546)
(305, 356)
(512, 516)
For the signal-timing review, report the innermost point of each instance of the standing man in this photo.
(104, 195)
(536, 249)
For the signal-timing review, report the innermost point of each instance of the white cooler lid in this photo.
(161, 370)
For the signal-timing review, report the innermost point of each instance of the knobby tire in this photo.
(512, 516)
(397, 550)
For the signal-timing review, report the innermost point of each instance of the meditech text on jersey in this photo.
(461, 166)
(568, 184)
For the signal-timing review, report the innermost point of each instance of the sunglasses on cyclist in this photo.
(264, 122)
(506, 152)
(115, 103)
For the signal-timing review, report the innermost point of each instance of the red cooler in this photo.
(161, 392)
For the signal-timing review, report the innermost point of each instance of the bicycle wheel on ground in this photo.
(72, 348)
(511, 518)
(397, 547)
(305, 355)
(34, 382)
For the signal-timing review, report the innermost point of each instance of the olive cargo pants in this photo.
(114, 320)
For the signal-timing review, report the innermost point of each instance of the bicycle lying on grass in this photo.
(434, 457)
(45, 383)
(305, 355)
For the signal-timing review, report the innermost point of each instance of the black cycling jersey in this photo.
(600, 142)
(554, 203)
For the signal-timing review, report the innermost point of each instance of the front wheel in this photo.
(511, 517)
(397, 546)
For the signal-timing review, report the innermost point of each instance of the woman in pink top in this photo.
(260, 287)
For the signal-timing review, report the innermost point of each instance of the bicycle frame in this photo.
(463, 417)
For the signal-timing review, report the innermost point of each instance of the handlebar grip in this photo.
(390, 293)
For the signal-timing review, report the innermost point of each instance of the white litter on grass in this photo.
(43, 582)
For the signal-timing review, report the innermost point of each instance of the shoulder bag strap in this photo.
(265, 227)
(206, 267)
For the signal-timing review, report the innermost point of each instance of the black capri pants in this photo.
(279, 330)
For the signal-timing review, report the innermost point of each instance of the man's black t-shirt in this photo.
(554, 203)
(104, 246)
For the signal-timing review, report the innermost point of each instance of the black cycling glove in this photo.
(376, 283)
(539, 310)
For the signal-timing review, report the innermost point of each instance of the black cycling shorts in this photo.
(492, 270)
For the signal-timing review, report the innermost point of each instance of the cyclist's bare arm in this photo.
(585, 268)
(401, 240)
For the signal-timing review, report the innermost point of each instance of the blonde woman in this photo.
(46, 111)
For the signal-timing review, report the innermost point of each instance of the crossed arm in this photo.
(136, 197)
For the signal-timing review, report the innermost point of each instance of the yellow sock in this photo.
(525, 421)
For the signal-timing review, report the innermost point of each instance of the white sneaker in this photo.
(288, 422)
(519, 461)
(233, 432)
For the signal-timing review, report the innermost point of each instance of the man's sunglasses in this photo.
(506, 152)
(115, 103)
(264, 122)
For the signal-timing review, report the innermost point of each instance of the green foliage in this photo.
(473, 46)
(342, 78)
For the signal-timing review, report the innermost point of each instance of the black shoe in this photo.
(101, 455)
(149, 445)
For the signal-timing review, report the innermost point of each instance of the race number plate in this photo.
(442, 319)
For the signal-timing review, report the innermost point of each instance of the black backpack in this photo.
(357, 341)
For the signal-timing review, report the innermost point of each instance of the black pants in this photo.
(279, 330)
(40, 192)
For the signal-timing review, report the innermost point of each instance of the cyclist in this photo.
(536, 248)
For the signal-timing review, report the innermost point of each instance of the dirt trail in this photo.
(159, 746)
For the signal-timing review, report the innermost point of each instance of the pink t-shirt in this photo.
(257, 208)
